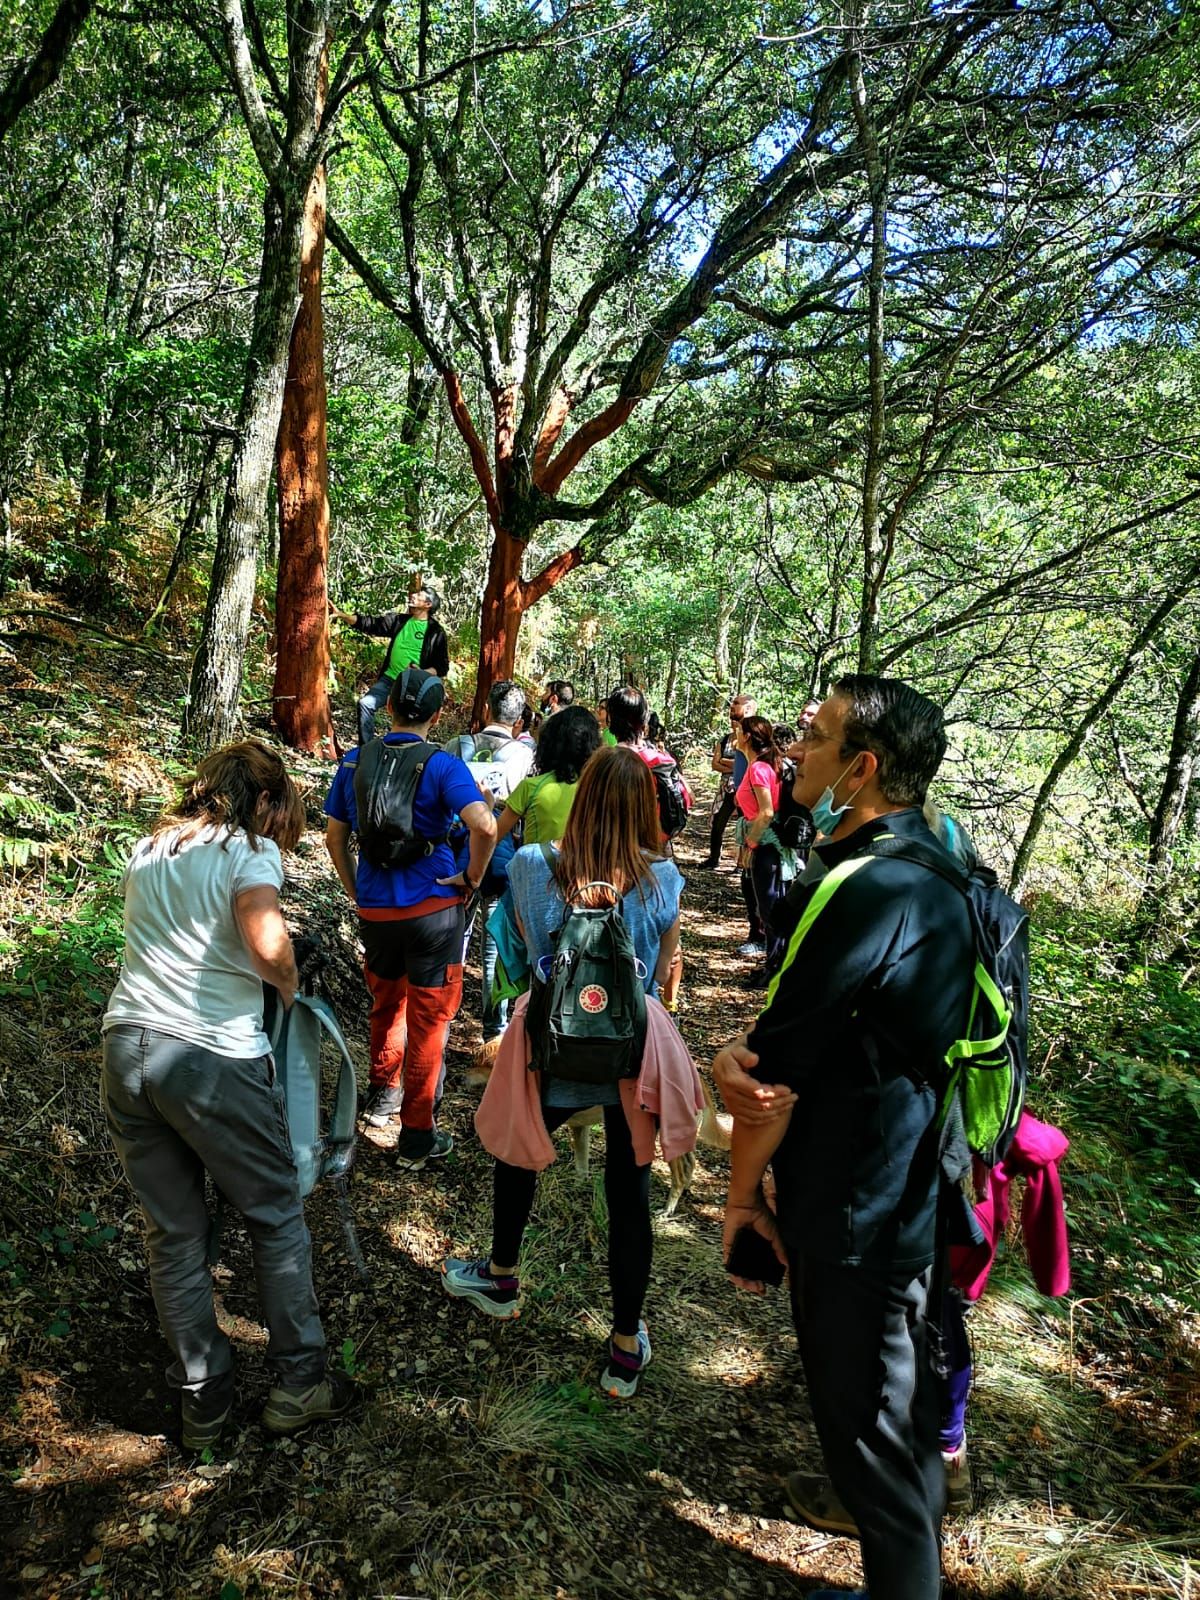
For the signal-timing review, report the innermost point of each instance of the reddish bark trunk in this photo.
(301, 695)
(500, 618)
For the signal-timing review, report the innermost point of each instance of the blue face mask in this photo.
(825, 814)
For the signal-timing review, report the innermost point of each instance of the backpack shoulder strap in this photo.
(826, 888)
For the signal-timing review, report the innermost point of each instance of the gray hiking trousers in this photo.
(174, 1110)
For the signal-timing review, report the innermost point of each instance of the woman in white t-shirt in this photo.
(188, 1082)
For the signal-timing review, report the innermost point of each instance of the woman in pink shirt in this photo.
(760, 856)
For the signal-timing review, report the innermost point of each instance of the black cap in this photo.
(417, 696)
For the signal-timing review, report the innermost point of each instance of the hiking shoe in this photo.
(750, 948)
(382, 1105)
(203, 1423)
(958, 1481)
(289, 1410)
(710, 865)
(837, 1594)
(619, 1380)
(473, 1281)
(416, 1146)
(816, 1501)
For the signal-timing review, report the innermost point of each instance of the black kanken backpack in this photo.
(793, 822)
(587, 1022)
(673, 798)
(385, 789)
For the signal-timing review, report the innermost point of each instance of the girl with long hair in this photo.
(612, 837)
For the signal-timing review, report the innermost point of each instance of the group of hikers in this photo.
(560, 848)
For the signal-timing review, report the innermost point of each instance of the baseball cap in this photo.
(416, 696)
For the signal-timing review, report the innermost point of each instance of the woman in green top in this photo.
(543, 799)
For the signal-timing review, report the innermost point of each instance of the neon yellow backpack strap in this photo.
(822, 894)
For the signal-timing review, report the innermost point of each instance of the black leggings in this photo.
(766, 882)
(627, 1190)
(722, 812)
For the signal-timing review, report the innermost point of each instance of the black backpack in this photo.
(988, 1068)
(586, 1022)
(386, 779)
(674, 801)
(793, 822)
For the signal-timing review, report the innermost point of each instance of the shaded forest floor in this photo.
(484, 1462)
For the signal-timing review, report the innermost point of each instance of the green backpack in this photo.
(586, 1021)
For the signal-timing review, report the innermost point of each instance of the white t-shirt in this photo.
(186, 970)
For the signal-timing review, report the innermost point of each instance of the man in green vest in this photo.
(414, 639)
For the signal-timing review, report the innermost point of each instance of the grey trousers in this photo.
(175, 1110)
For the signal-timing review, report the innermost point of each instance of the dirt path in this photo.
(484, 1462)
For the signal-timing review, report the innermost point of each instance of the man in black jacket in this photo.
(414, 639)
(837, 1087)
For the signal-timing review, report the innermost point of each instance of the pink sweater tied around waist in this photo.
(663, 1101)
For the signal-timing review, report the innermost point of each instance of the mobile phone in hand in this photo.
(753, 1257)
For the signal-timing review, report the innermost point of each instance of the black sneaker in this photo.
(415, 1147)
(382, 1105)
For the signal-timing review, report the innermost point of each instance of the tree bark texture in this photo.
(301, 693)
(499, 619)
(216, 682)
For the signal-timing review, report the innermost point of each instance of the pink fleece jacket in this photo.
(665, 1098)
(1034, 1154)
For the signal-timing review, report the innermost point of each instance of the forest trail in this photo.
(485, 1462)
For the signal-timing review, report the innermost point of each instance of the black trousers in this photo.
(874, 1395)
(766, 882)
(627, 1191)
(722, 812)
(758, 933)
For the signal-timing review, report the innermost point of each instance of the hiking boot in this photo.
(474, 1281)
(958, 1481)
(837, 1594)
(751, 948)
(710, 865)
(381, 1106)
(289, 1410)
(416, 1146)
(816, 1501)
(619, 1380)
(203, 1420)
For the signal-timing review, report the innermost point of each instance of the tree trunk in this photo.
(1088, 721)
(672, 679)
(196, 512)
(216, 683)
(1173, 802)
(499, 620)
(1181, 767)
(301, 693)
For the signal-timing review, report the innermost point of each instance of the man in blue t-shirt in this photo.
(411, 922)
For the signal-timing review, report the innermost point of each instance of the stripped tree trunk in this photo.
(216, 682)
(301, 693)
